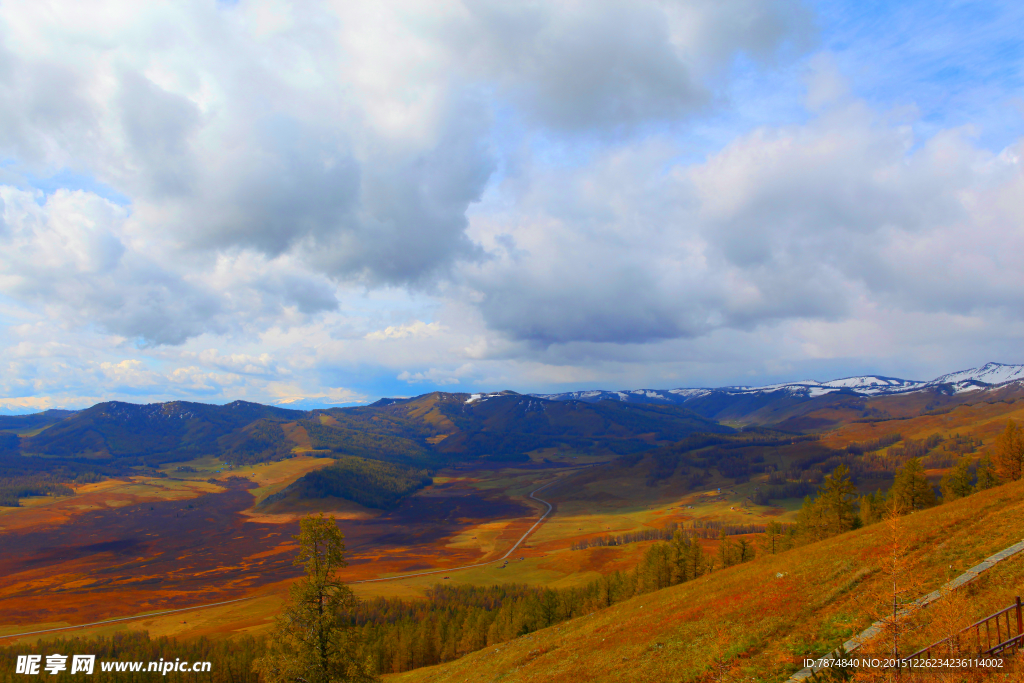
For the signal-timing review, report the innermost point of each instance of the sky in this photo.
(319, 203)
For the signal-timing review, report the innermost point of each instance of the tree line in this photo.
(839, 507)
(698, 528)
(395, 635)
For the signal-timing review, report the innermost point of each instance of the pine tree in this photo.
(1008, 458)
(872, 508)
(902, 579)
(680, 557)
(836, 500)
(698, 563)
(307, 644)
(725, 550)
(910, 490)
(746, 550)
(986, 475)
(958, 482)
(808, 520)
(771, 541)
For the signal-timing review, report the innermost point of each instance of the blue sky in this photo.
(333, 202)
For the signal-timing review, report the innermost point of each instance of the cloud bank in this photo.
(278, 201)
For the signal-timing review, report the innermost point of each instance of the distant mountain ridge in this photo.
(424, 431)
(986, 376)
(443, 427)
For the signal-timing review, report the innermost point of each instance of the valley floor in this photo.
(123, 548)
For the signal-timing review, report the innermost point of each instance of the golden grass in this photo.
(269, 477)
(252, 616)
(272, 477)
(204, 467)
(619, 501)
(44, 511)
(298, 435)
(981, 420)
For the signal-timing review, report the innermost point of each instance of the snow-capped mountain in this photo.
(629, 395)
(313, 403)
(868, 385)
(988, 375)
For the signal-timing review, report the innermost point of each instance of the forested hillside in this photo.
(371, 483)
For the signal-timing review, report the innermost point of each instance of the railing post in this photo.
(1020, 618)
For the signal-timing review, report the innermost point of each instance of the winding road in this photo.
(479, 564)
(251, 597)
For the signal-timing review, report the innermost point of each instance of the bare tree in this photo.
(1008, 458)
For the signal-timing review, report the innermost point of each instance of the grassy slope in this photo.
(764, 624)
(982, 420)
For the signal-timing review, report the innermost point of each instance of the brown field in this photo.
(162, 554)
(44, 512)
(981, 420)
(180, 543)
(133, 555)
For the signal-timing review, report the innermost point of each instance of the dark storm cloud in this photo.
(47, 114)
(286, 183)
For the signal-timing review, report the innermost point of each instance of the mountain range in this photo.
(442, 427)
(984, 377)
(424, 431)
(987, 376)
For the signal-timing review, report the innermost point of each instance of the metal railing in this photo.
(996, 634)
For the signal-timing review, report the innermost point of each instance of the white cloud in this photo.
(352, 137)
(786, 223)
(415, 329)
(438, 376)
(298, 180)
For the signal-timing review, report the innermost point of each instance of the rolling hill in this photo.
(161, 432)
(33, 421)
(434, 428)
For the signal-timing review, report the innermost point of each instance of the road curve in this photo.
(251, 597)
(479, 564)
(137, 616)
